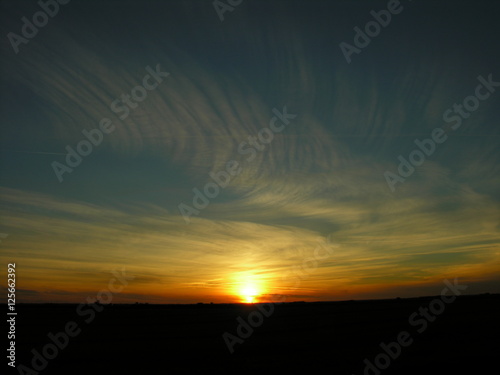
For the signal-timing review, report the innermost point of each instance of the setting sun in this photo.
(249, 293)
(248, 287)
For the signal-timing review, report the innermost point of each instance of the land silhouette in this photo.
(313, 338)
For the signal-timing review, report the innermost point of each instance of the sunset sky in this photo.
(318, 187)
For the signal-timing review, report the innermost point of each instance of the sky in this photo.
(249, 152)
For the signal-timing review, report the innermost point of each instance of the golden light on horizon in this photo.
(248, 288)
(249, 293)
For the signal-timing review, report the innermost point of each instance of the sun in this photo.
(249, 293)
(248, 287)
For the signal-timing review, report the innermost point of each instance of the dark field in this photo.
(310, 338)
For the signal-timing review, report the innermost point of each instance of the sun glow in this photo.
(248, 287)
(249, 293)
